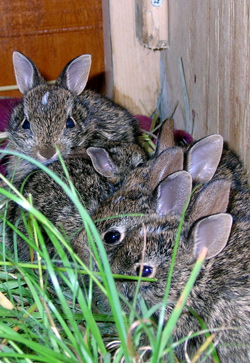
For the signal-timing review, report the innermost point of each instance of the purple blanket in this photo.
(6, 107)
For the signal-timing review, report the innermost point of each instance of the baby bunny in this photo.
(60, 116)
(136, 195)
(220, 296)
(95, 176)
(96, 173)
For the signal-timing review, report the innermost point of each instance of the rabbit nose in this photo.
(47, 152)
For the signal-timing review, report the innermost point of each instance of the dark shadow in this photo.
(97, 83)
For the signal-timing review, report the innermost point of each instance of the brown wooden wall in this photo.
(51, 32)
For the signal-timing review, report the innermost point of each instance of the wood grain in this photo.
(51, 32)
(133, 76)
(151, 24)
(213, 40)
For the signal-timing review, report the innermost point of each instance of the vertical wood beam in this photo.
(133, 70)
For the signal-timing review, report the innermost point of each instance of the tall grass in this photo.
(48, 314)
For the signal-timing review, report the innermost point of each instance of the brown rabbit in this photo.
(95, 177)
(61, 116)
(137, 193)
(111, 166)
(220, 295)
(205, 225)
(202, 160)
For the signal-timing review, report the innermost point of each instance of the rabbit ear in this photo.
(26, 73)
(75, 74)
(213, 233)
(166, 136)
(173, 193)
(213, 198)
(168, 162)
(101, 161)
(204, 157)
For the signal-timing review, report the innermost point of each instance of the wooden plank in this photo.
(213, 40)
(135, 78)
(51, 32)
(151, 23)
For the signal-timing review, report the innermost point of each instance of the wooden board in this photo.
(213, 40)
(51, 32)
(133, 70)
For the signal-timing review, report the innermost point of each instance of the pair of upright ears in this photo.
(173, 186)
(200, 160)
(209, 223)
(73, 77)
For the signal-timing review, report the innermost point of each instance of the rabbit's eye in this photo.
(112, 237)
(146, 270)
(139, 164)
(26, 124)
(70, 123)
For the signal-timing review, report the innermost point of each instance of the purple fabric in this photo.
(6, 107)
(180, 136)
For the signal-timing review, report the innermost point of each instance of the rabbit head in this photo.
(116, 160)
(134, 197)
(48, 115)
(220, 296)
(137, 194)
(204, 213)
(61, 117)
(147, 249)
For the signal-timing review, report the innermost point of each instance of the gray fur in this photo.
(232, 168)
(136, 195)
(92, 187)
(97, 120)
(221, 293)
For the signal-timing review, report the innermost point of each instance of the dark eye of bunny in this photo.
(70, 123)
(139, 164)
(112, 237)
(146, 270)
(26, 124)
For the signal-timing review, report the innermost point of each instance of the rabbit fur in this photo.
(61, 116)
(229, 167)
(221, 294)
(208, 159)
(226, 272)
(137, 193)
(95, 176)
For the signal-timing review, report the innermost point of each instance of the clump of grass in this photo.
(48, 314)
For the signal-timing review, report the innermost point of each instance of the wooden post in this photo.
(134, 33)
